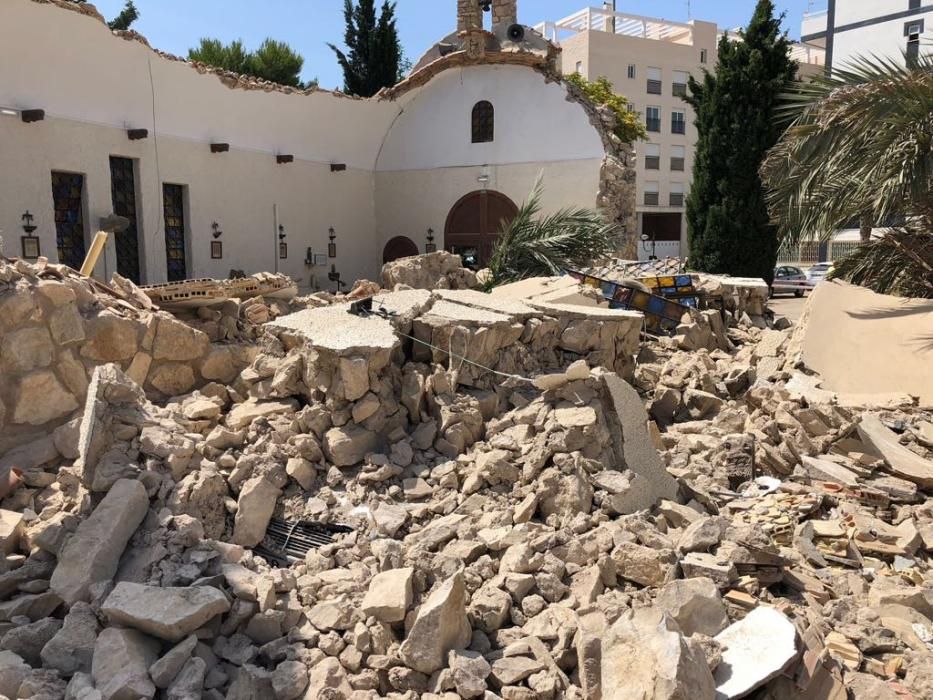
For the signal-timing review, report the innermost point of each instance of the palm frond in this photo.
(533, 245)
(899, 263)
(859, 140)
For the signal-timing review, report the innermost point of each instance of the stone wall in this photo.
(56, 326)
(504, 11)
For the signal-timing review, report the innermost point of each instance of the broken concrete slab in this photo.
(900, 460)
(92, 555)
(756, 649)
(637, 450)
(164, 612)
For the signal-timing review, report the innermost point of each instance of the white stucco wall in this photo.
(434, 131)
(407, 162)
(428, 161)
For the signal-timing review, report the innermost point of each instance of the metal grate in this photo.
(67, 197)
(287, 542)
(123, 193)
(484, 119)
(173, 206)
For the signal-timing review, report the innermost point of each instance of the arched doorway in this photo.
(475, 223)
(399, 247)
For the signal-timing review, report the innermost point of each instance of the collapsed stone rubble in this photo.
(540, 506)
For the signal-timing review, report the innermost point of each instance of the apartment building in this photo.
(850, 28)
(649, 60)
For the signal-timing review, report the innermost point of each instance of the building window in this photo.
(679, 88)
(914, 5)
(631, 71)
(68, 200)
(678, 156)
(654, 81)
(651, 194)
(702, 55)
(173, 209)
(123, 195)
(677, 194)
(579, 67)
(653, 118)
(652, 156)
(484, 120)
(678, 122)
(630, 107)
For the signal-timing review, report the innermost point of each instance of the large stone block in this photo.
(71, 650)
(646, 657)
(166, 613)
(26, 350)
(112, 338)
(93, 553)
(389, 595)
(254, 510)
(172, 378)
(121, 664)
(347, 445)
(66, 325)
(177, 341)
(40, 398)
(441, 625)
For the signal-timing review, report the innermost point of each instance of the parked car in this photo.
(818, 272)
(789, 279)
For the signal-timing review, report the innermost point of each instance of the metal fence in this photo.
(812, 252)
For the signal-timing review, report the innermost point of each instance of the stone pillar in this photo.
(504, 11)
(469, 15)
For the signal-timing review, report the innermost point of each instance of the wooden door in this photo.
(475, 224)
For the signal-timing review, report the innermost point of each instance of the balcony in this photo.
(593, 19)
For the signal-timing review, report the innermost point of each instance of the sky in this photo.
(308, 25)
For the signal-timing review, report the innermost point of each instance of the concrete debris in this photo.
(613, 518)
(755, 650)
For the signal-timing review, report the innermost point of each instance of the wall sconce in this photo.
(430, 246)
(309, 257)
(215, 230)
(30, 243)
(7, 112)
(283, 246)
(332, 246)
(137, 134)
(281, 159)
(220, 147)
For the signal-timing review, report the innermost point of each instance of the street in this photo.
(788, 305)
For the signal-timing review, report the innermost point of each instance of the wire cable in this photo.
(383, 313)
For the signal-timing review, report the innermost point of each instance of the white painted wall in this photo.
(94, 85)
(409, 202)
(434, 129)
(72, 66)
(883, 39)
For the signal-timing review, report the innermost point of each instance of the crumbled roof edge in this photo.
(234, 81)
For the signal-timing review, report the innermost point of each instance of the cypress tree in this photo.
(374, 54)
(729, 228)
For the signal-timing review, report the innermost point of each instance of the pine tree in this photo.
(373, 59)
(127, 16)
(730, 231)
(273, 60)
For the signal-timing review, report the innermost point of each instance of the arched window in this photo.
(484, 121)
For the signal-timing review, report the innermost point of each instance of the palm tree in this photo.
(534, 245)
(860, 147)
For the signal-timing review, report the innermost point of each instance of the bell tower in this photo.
(470, 13)
(504, 11)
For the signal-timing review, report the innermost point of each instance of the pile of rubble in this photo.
(454, 495)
